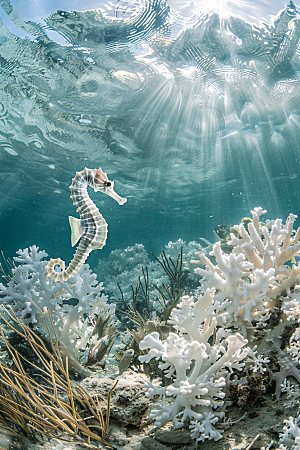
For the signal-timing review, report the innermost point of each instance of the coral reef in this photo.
(228, 341)
(247, 295)
(123, 267)
(198, 367)
(72, 303)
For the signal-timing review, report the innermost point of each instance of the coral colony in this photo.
(246, 306)
(247, 297)
(71, 303)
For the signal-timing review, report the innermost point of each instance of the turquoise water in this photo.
(193, 111)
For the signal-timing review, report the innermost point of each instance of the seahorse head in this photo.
(103, 184)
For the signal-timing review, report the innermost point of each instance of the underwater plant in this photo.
(140, 310)
(123, 267)
(102, 338)
(170, 294)
(73, 304)
(54, 405)
(248, 296)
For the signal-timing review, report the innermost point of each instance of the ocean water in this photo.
(193, 109)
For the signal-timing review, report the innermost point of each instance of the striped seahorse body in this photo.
(91, 228)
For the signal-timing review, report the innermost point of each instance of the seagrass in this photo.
(58, 408)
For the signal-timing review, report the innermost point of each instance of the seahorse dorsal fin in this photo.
(76, 232)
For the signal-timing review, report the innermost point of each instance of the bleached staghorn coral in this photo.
(292, 393)
(290, 438)
(273, 245)
(195, 366)
(260, 269)
(29, 289)
(294, 347)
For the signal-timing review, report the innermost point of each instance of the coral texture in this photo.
(195, 366)
(71, 303)
(248, 294)
(290, 438)
(261, 268)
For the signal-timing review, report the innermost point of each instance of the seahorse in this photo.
(91, 228)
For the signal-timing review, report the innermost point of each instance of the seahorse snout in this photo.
(108, 189)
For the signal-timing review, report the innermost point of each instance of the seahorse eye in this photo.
(108, 183)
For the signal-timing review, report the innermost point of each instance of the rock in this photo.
(128, 403)
(171, 437)
(148, 443)
(117, 435)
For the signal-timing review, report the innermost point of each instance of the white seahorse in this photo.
(91, 228)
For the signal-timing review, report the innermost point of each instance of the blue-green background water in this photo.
(193, 110)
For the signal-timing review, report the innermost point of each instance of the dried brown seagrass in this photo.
(57, 408)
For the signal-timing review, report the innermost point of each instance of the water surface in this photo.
(193, 111)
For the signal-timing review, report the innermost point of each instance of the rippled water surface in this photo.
(193, 108)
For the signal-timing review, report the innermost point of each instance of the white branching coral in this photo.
(240, 287)
(252, 293)
(271, 246)
(292, 392)
(195, 365)
(290, 438)
(294, 347)
(71, 303)
(260, 268)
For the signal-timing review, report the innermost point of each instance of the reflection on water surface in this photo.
(194, 112)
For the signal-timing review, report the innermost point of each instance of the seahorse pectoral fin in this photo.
(76, 232)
